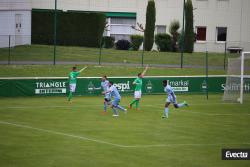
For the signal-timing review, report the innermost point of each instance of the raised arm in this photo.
(83, 69)
(144, 72)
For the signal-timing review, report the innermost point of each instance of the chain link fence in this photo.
(19, 49)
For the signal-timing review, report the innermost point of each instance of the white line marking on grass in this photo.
(60, 133)
(118, 145)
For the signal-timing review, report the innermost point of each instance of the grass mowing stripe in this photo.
(156, 107)
(119, 145)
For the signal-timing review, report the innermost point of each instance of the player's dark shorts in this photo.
(107, 99)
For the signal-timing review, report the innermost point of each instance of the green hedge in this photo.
(42, 27)
(73, 28)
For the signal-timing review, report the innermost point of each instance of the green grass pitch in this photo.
(49, 131)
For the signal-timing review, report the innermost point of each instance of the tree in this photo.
(189, 28)
(150, 26)
(173, 30)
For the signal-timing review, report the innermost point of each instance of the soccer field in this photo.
(49, 131)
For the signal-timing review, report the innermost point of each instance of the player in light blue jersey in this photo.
(107, 96)
(170, 99)
(117, 98)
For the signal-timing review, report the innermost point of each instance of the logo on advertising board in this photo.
(91, 87)
(122, 87)
(180, 85)
(51, 87)
(235, 86)
(149, 87)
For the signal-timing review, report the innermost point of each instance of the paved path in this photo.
(105, 64)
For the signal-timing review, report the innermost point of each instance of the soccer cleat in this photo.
(125, 111)
(165, 116)
(115, 115)
(185, 103)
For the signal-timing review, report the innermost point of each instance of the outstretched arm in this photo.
(83, 69)
(144, 72)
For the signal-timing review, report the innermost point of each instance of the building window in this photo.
(201, 33)
(160, 29)
(221, 34)
(120, 28)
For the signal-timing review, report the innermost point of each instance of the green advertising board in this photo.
(58, 86)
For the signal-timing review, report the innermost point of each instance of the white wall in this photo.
(8, 11)
(233, 14)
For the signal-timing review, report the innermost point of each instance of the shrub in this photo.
(136, 41)
(173, 30)
(150, 26)
(163, 42)
(122, 44)
(108, 42)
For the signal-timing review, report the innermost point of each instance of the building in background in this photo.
(15, 22)
(215, 21)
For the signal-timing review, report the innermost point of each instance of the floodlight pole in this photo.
(55, 27)
(183, 31)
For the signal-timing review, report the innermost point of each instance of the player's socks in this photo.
(133, 102)
(166, 112)
(105, 107)
(137, 104)
(70, 96)
(182, 104)
(120, 107)
(115, 111)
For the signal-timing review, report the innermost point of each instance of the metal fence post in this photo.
(183, 32)
(207, 74)
(100, 51)
(55, 27)
(225, 55)
(142, 55)
(9, 52)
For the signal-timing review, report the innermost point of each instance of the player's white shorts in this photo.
(137, 94)
(72, 87)
(171, 99)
